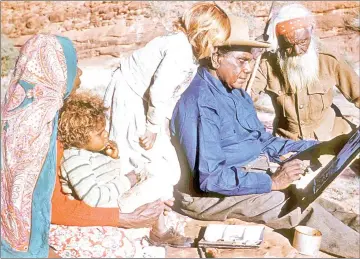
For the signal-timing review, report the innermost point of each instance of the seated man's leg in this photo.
(255, 207)
(270, 209)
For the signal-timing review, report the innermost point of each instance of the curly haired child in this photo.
(91, 169)
(88, 174)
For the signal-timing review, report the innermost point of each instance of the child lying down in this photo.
(91, 168)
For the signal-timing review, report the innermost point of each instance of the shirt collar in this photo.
(205, 74)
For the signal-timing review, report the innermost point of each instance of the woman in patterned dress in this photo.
(45, 74)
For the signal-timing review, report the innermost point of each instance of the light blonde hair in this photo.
(80, 114)
(205, 25)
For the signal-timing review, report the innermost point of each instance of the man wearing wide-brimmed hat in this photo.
(228, 149)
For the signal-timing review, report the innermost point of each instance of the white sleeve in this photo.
(170, 74)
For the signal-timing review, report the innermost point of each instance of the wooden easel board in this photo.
(328, 173)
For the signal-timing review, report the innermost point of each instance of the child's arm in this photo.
(86, 186)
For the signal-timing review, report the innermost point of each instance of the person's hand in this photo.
(143, 217)
(168, 204)
(286, 174)
(147, 140)
(112, 150)
(133, 178)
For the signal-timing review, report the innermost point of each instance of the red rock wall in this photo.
(118, 27)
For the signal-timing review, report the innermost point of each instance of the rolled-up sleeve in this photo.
(202, 145)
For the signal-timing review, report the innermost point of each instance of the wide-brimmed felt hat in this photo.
(239, 35)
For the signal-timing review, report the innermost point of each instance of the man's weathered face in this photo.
(300, 71)
(295, 43)
(233, 67)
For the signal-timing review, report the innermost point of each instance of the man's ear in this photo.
(215, 58)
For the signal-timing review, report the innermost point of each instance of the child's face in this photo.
(98, 139)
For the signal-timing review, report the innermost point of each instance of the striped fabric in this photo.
(92, 177)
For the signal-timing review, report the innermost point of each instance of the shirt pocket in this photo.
(281, 100)
(228, 130)
(228, 133)
(320, 98)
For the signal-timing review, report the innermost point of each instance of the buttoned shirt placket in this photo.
(301, 110)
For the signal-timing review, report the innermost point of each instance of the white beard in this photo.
(302, 71)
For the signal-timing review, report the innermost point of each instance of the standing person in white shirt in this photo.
(146, 86)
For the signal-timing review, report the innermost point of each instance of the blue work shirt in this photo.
(219, 132)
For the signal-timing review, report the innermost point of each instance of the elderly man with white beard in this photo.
(299, 77)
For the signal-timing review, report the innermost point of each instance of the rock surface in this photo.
(118, 27)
